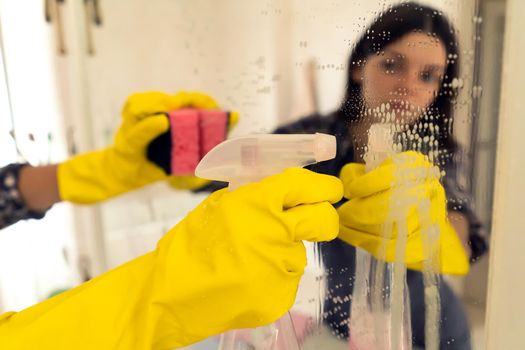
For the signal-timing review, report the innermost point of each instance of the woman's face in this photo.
(405, 79)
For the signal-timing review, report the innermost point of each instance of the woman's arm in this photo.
(38, 187)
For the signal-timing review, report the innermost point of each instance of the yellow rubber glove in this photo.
(233, 262)
(414, 180)
(123, 166)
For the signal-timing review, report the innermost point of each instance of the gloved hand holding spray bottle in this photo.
(248, 159)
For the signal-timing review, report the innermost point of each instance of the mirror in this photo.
(336, 67)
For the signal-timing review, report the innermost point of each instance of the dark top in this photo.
(12, 206)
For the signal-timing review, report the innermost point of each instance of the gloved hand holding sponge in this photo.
(369, 202)
(235, 261)
(124, 166)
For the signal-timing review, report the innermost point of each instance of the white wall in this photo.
(505, 308)
(7, 144)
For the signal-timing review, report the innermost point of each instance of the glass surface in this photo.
(414, 66)
(338, 67)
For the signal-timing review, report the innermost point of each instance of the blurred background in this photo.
(68, 66)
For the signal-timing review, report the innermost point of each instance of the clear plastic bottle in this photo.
(380, 309)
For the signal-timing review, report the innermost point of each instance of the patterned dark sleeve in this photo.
(460, 200)
(12, 206)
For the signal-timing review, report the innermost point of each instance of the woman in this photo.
(404, 69)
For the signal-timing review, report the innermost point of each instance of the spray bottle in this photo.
(248, 159)
(380, 315)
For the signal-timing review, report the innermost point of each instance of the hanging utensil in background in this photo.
(92, 16)
(53, 14)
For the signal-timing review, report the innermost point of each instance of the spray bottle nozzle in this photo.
(251, 158)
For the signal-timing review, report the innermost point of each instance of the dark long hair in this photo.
(392, 24)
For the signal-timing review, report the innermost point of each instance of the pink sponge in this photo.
(185, 152)
(213, 128)
(193, 134)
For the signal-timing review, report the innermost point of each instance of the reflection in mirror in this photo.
(404, 72)
(396, 82)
